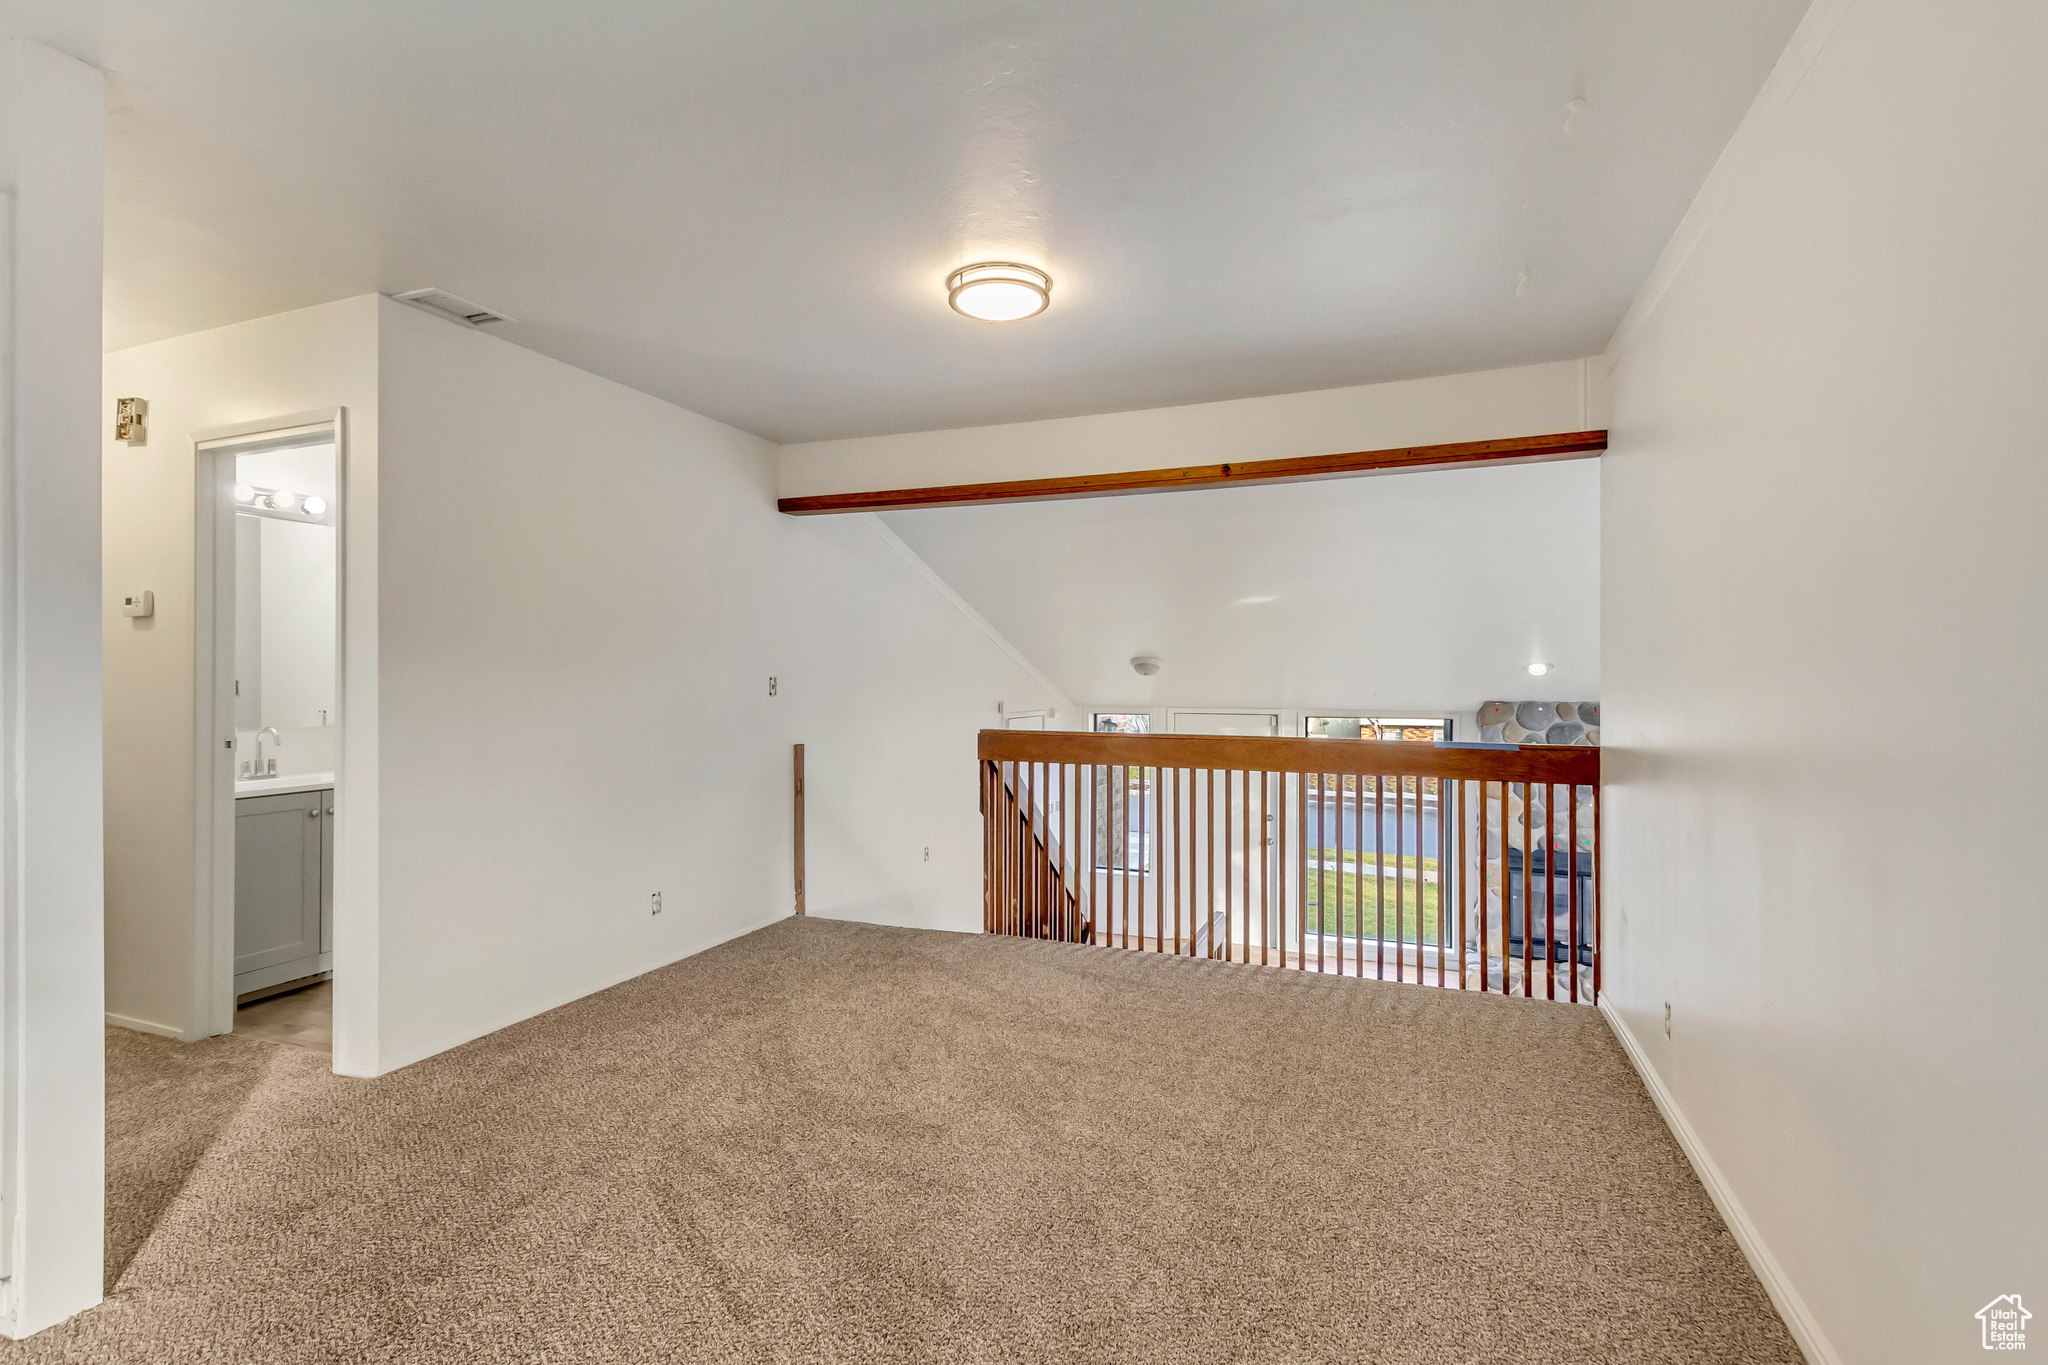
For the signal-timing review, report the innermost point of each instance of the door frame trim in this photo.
(211, 1009)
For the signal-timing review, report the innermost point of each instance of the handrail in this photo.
(1391, 758)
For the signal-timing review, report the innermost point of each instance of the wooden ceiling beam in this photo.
(1569, 445)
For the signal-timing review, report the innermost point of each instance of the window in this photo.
(1124, 801)
(1377, 727)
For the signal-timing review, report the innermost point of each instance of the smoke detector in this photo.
(1145, 665)
(453, 307)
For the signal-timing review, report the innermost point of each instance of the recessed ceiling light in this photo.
(999, 291)
(1538, 670)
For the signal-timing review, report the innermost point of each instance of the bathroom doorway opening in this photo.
(270, 689)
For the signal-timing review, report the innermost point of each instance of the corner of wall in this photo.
(1799, 1319)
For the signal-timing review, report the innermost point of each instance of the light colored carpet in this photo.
(830, 1142)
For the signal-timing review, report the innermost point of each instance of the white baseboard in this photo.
(144, 1026)
(1813, 1343)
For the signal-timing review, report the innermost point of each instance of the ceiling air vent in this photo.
(453, 306)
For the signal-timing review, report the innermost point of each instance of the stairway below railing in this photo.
(1040, 902)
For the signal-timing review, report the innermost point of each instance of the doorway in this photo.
(271, 684)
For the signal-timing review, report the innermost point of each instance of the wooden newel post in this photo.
(797, 766)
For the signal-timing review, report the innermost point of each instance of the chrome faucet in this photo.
(275, 738)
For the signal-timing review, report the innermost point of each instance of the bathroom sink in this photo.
(284, 782)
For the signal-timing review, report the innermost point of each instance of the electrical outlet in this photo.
(1667, 1018)
(657, 902)
(771, 686)
(927, 852)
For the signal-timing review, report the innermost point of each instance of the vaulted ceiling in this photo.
(749, 206)
(1413, 591)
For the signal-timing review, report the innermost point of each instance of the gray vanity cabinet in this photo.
(283, 887)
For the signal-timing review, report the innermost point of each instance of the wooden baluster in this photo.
(1322, 858)
(1599, 924)
(1463, 884)
(988, 865)
(1041, 850)
(1041, 860)
(1443, 875)
(1179, 863)
(1074, 851)
(1379, 876)
(1065, 852)
(1165, 866)
(1301, 875)
(1035, 821)
(1034, 881)
(1358, 867)
(1337, 879)
(1098, 920)
(1121, 800)
(1134, 862)
(1062, 927)
(1002, 849)
(1225, 948)
(1159, 865)
(1110, 862)
(1009, 784)
(1265, 871)
(1144, 853)
(1528, 906)
(1550, 891)
(1572, 888)
(1443, 872)
(1485, 845)
(1208, 860)
(1400, 879)
(1133, 819)
(1159, 849)
(1247, 866)
(1112, 843)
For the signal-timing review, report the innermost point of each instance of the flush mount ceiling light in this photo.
(1145, 665)
(999, 291)
(1538, 670)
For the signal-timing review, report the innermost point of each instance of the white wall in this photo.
(1825, 637)
(1529, 400)
(891, 683)
(255, 373)
(587, 591)
(52, 1106)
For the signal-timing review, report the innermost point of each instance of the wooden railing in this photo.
(1400, 860)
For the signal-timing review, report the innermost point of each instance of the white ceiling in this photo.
(1413, 591)
(748, 206)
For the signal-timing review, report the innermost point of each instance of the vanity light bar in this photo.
(281, 504)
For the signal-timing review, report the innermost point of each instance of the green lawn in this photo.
(1338, 899)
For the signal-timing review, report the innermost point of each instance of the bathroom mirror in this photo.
(285, 604)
